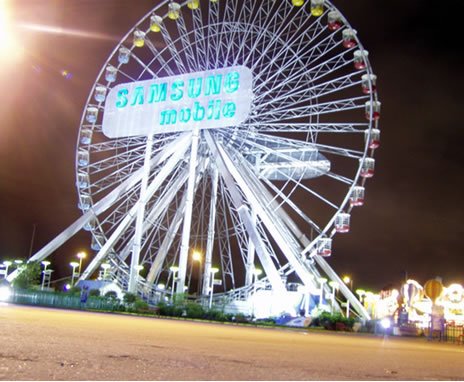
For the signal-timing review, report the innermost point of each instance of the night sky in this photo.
(412, 218)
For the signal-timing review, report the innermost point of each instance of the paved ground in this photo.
(48, 344)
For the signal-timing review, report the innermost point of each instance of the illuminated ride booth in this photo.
(242, 132)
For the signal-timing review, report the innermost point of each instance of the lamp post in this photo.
(174, 271)
(45, 263)
(348, 281)
(322, 281)
(334, 286)
(7, 264)
(213, 271)
(18, 263)
(197, 256)
(74, 265)
(81, 255)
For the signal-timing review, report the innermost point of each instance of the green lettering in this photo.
(122, 98)
(232, 82)
(185, 114)
(213, 84)
(177, 93)
(168, 117)
(157, 92)
(137, 97)
(229, 109)
(194, 87)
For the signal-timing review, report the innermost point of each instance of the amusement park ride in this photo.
(241, 130)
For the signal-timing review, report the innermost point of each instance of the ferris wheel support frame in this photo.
(137, 243)
(184, 247)
(245, 215)
(211, 231)
(155, 184)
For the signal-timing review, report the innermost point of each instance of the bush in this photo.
(111, 295)
(28, 276)
(333, 321)
(94, 293)
(129, 298)
(194, 310)
(141, 306)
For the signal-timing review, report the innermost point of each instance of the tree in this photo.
(28, 276)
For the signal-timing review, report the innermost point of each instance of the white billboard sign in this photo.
(209, 99)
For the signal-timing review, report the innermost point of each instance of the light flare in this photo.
(11, 48)
(65, 31)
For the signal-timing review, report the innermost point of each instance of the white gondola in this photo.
(92, 114)
(373, 110)
(342, 222)
(83, 180)
(360, 59)
(82, 157)
(369, 83)
(100, 93)
(111, 73)
(334, 20)
(123, 55)
(349, 38)
(367, 167)
(357, 196)
(373, 138)
(324, 247)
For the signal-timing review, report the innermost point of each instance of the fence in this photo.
(449, 333)
(62, 300)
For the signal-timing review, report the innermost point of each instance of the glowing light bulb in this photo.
(298, 3)
(193, 4)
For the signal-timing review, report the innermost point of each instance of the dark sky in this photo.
(412, 219)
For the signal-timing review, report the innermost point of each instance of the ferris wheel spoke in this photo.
(192, 59)
(312, 110)
(343, 128)
(316, 72)
(286, 22)
(300, 53)
(157, 57)
(302, 93)
(200, 38)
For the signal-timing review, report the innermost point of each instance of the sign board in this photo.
(217, 282)
(207, 100)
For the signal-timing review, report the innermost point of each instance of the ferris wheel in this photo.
(266, 127)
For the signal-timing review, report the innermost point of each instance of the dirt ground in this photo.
(51, 344)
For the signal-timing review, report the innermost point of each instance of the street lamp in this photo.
(213, 271)
(174, 271)
(81, 255)
(334, 285)
(7, 264)
(348, 281)
(322, 281)
(197, 256)
(74, 265)
(45, 263)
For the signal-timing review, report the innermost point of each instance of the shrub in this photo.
(94, 293)
(129, 298)
(140, 306)
(194, 310)
(111, 295)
